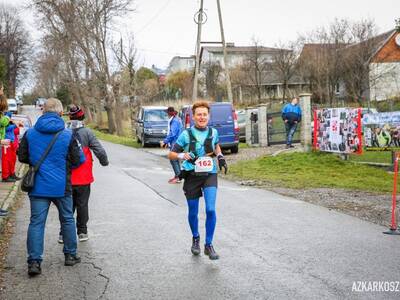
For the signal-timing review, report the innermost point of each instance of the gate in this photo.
(254, 127)
(277, 131)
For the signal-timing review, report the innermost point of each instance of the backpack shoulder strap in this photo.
(192, 141)
(210, 133)
(208, 146)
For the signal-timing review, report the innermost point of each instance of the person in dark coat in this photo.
(52, 182)
(82, 177)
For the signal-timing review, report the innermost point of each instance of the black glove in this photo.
(222, 163)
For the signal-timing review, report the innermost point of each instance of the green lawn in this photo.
(243, 145)
(374, 157)
(122, 140)
(313, 170)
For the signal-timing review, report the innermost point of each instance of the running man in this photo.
(197, 146)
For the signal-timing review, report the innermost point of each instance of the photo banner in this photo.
(338, 130)
(382, 131)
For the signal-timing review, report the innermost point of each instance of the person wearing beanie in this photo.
(82, 177)
(174, 130)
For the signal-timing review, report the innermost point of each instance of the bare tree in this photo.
(321, 61)
(284, 63)
(14, 46)
(126, 58)
(255, 65)
(212, 78)
(357, 58)
(88, 24)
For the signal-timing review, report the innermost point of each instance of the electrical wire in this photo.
(161, 52)
(156, 15)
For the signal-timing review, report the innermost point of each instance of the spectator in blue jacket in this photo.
(52, 182)
(174, 130)
(291, 115)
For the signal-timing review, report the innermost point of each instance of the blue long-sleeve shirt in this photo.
(291, 113)
(175, 129)
(10, 132)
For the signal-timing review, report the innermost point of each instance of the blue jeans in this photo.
(290, 130)
(39, 211)
(176, 167)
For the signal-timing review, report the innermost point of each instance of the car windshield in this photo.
(26, 122)
(155, 116)
(241, 118)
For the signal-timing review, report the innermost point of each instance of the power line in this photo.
(162, 52)
(157, 14)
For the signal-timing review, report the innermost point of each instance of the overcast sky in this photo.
(165, 28)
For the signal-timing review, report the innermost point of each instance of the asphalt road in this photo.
(271, 246)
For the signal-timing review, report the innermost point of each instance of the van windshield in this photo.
(221, 113)
(155, 116)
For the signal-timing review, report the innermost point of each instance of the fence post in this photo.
(248, 128)
(305, 134)
(262, 126)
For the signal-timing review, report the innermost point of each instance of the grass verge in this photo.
(373, 157)
(313, 170)
(122, 140)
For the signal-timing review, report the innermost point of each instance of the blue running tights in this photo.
(210, 196)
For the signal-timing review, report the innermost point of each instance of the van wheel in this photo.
(235, 149)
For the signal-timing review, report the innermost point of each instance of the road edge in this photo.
(11, 198)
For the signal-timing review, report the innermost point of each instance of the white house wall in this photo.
(384, 80)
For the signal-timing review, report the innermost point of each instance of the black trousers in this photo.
(80, 196)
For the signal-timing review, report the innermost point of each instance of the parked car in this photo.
(368, 111)
(223, 118)
(151, 125)
(26, 121)
(12, 106)
(19, 101)
(241, 115)
(40, 102)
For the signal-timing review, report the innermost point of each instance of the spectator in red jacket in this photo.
(9, 152)
(82, 177)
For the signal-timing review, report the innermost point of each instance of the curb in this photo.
(13, 195)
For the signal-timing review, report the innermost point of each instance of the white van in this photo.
(12, 106)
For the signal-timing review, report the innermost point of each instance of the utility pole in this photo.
(198, 50)
(227, 75)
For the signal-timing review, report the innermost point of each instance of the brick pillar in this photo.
(262, 126)
(248, 127)
(305, 134)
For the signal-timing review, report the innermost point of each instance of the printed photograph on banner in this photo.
(382, 131)
(338, 130)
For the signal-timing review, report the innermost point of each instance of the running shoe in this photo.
(174, 180)
(210, 252)
(71, 260)
(34, 268)
(83, 237)
(196, 246)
